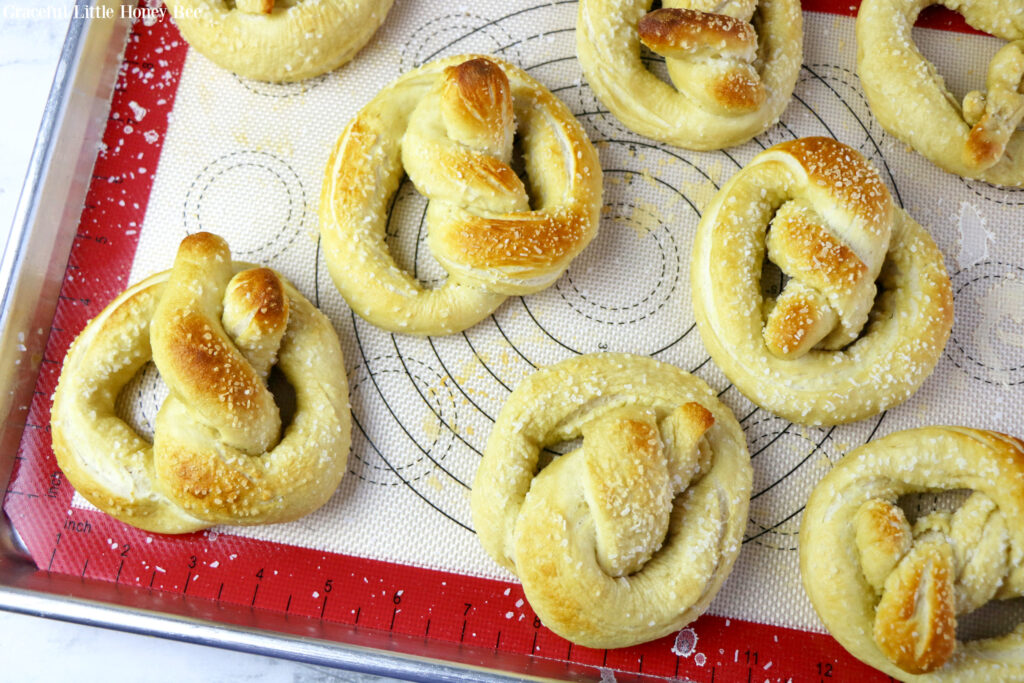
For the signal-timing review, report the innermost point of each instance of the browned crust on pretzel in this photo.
(199, 480)
(205, 243)
(537, 238)
(791, 319)
(202, 359)
(848, 176)
(519, 240)
(481, 170)
(883, 538)
(260, 290)
(818, 252)
(477, 98)
(198, 361)
(475, 78)
(981, 150)
(696, 418)
(822, 262)
(202, 355)
(738, 91)
(673, 32)
(350, 181)
(544, 573)
(642, 436)
(915, 626)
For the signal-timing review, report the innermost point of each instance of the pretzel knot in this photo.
(628, 537)
(828, 348)
(978, 139)
(995, 116)
(709, 56)
(278, 40)
(891, 591)
(450, 125)
(214, 329)
(726, 89)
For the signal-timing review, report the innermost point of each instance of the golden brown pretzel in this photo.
(978, 139)
(890, 591)
(630, 536)
(450, 125)
(215, 329)
(282, 40)
(818, 354)
(727, 87)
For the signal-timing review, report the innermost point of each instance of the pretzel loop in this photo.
(278, 40)
(606, 539)
(214, 329)
(979, 138)
(995, 116)
(823, 216)
(450, 125)
(733, 63)
(894, 601)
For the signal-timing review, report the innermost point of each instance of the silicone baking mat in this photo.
(191, 147)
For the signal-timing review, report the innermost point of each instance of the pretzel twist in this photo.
(727, 90)
(214, 329)
(709, 56)
(891, 591)
(996, 115)
(824, 351)
(976, 139)
(450, 125)
(278, 41)
(630, 536)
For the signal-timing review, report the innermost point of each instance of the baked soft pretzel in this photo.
(450, 125)
(978, 139)
(728, 88)
(218, 455)
(630, 536)
(830, 348)
(286, 40)
(890, 590)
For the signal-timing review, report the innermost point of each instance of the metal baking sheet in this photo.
(422, 623)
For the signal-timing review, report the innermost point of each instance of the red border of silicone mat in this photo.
(339, 588)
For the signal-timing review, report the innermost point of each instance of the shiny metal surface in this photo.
(35, 257)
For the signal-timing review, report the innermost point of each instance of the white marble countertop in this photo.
(35, 649)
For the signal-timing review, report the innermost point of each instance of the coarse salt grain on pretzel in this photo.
(214, 328)
(278, 40)
(728, 87)
(979, 138)
(450, 125)
(891, 590)
(630, 536)
(831, 347)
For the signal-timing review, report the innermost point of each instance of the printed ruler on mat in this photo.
(394, 549)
